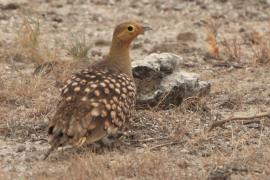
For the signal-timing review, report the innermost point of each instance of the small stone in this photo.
(57, 19)
(33, 148)
(21, 148)
(11, 6)
(101, 42)
(186, 36)
(96, 52)
(27, 159)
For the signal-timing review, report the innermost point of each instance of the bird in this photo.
(98, 100)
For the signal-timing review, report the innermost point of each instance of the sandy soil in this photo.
(225, 41)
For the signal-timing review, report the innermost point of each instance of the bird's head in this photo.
(123, 36)
(126, 32)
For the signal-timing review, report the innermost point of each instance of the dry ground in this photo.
(225, 41)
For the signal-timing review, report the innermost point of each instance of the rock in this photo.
(96, 52)
(160, 63)
(101, 42)
(160, 81)
(186, 36)
(57, 19)
(33, 148)
(10, 6)
(21, 148)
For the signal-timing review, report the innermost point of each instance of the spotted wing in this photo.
(94, 103)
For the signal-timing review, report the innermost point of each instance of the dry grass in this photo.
(27, 86)
(226, 49)
(232, 49)
(144, 165)
(261, 48)
(49, 61)
(213, 44)
(28, 38)
(194, 104)
(78, 46)
(30, 99)
(212, 32)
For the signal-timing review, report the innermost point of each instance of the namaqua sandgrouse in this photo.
(97, 101)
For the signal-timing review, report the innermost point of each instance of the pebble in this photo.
(33, 148)
(21, 148)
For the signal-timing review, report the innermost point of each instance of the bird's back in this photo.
(95, 102)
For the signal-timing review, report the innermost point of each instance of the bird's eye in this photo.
(130, 28)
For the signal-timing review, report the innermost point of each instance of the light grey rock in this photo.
(163, 63)
(161, 82)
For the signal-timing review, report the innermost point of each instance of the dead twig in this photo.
(238, 118)
(148, 140)
(165, 144)
(228, 65)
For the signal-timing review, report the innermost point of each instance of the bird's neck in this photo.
(119, 56)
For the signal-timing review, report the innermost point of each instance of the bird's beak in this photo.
(146, 28)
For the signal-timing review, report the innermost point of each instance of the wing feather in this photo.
(94, 103)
